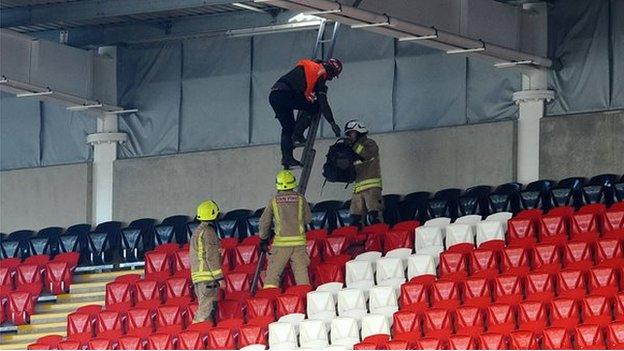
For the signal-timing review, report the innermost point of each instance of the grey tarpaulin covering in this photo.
(149, 78)
(489, 92)
(215, 93)
(64, 135)
(430, 88)
(617, 42)
(579, 39)
(20, 127)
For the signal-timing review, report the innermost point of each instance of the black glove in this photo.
(336, 130)
(264, 245)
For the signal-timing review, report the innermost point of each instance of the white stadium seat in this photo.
(428, 237)
(469, 219)
(332, 287)
(359, 275)
(383, 300)
(402, 253)
(370, 256)
(459, 234)
(282, 336)
(254, 347)
(351, 303)
(433, 251)
(344, 332)
(375, 324)
(502, 217)
(489, 230)
(437, 222)
(321, 306)
(337, 348)
(420, 265)
(390, 272)
(294, 319)
(313, 334)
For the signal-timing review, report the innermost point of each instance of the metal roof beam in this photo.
(94, 9)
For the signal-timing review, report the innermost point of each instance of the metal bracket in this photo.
(512, 64)
(422, 37)
(380, 24)
(533, 95)
(106, 138)
(325, 12)
(84, 107)
(466, 51)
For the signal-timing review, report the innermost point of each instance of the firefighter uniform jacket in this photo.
(205, 255)
(290, 213)
(367, 168)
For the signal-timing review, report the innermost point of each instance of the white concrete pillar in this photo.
(104, 144)
(531, 101)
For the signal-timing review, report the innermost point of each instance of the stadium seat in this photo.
(407, 225)
(483, 263)
(428, 236)
(539, 286)
(326, 273)
(71, 258)
(609, 252)
(402, 253)
(547, 258)
(237, 286)
(282, 336)
(314, 248)
(129, 342)
(28, 277)
(501, 318)
(414, 297)
(39, 346)
(169, 319)
(589, 337)
(109, 324)
(80, 326)
(335, 245)
(535, 195)
(148, 293)
(578, 255)
(508, 289)
(564, 313)
(615, 335)
(351, 303)
(445, 294)
(119, 296)
(571, 284)
(229, 309)
(441, 222)
(260, 307)
(313, 334)
(160, 341)
(489, 230)
(418, 265)
(191, 311)
(220, 338)
(178, 291)
(613, 223)
(404, 321)
(603, 281)
(181, 261)
(493, 341)
(438, 323)
(522, 231)
(57, 277)
(474, 201)
(251, 334)
(397, 238)
(100, 344)
(532, 316)
(596, 309)
(70, 345)
(453, 265)
(524, 340)
(321, 305)
(469, 320)
(332, 287)
(190, 340)
(383, 300)
(374, 324)
(515, 260)
(344, 332)
(462, 342)
(20, 306)
(553, 229)
(370, 256)
(157, 265)
(477, 292)
(556, 338)
(460, 237)
(585, 227)
(288, 304)
(390, 272)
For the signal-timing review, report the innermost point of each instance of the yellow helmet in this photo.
(285, 180)
(207, 211)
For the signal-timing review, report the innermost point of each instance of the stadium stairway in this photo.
(51, 314)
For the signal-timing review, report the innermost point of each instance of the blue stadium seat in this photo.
(164, 234)
(391, 208)
(343, 215)
(618, 189)
(178, 222)
(444, 203)
(575, 184)
(146, 226)
(253, 222)
(536, 195)
(474, 201)
(505, 198)
(324, 215)
(600, 189)
(16, 244)
(45, 242)
(414, 206)
(190, 228)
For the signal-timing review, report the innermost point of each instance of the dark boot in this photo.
(356, 221)
(373, 217)
(290, 162)
(304, 120)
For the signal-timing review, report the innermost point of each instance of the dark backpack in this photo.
(338, 167)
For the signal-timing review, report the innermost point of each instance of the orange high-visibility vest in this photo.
(313, 71)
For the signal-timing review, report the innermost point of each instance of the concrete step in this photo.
(64, 306)
(45, 318)
(86, 298)
(14, 346)
(24, 338)
(87, 287)
(49, 328)
(103, 277)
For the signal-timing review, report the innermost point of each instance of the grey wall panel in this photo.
(20, 125)
(444, 14)
(491, 21)
(150, 80)
(617, 41)
(215, 90)
(273, 56)
(430, 88)
(419, 160)
(64, 136)
(41, 197)
(582, 145)
(579, 39)
(364, 89)
(15, 56)
(490, 90)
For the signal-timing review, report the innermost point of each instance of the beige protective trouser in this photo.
(207, 294)
(279, 257)
(367, 201)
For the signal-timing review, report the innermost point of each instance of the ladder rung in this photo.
(326, 41)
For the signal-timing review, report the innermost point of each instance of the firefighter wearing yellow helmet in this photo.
(289, 212)
(205, 259)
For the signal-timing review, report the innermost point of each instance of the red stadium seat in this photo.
(119, 296)
(350, 232)
(300, 290)
(571, 284)
(532, 316)
(613, 223)
(90, 309)
(495, 244)
(227, 253)
(477, 292)
(533, 213)
(438, 323)
(338, 260)
(593, 208)
(7, 274)
(374, 241)
(585, 227)
(80, 326)
(58, 277)
(493, 341)
(169, 248)
(51, 340)
(462, 342)
(589, 337)
(398, 238)
(39, 346)
(564, 313)
(411, 338)
(515, 260)
(221, 339)
(39, 260)
(596, 309)
(378, 339)
(314, 247)
(406, 322)
(555, 338)
(191, 310)
(2, 314)
(228, 309)
(316, 234)
(524, 340)
(160, 341)
(540, 286)
(21, 305)
(453, 265)
(547, 258)
(233, 323)
(564, 211)
(603, 281)
(237, 286)
(522, 231)
(169, 319)
(414, 297)
(445, 294)
(397, 345)
(246, 255)
(508, 289)
(578, 255)
(430, 344)
(157, 265)
(501, 318)
(410, 226)
(70, 345)
(365, 346)
(269, 293)
(469, 321)
(109, 324)
(335, 245)
(609, 252)
(618, 309)
(252, 335)
(181, 261)
(483, 263)
(148, 293)
(129, 342)
(289, 303)
(327, 273)
(100, 344)
(71, 258)
(28, 278)
(615, 336)
(553, 229)
(190, 340)
(379, 228)
(178, 291)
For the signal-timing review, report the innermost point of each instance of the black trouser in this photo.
(284, 103)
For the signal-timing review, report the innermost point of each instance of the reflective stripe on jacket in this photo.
(289, 212)
(205, 254)
(367, 168)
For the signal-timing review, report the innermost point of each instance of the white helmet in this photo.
(355, 125)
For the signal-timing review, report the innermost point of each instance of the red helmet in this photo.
(333, 67)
